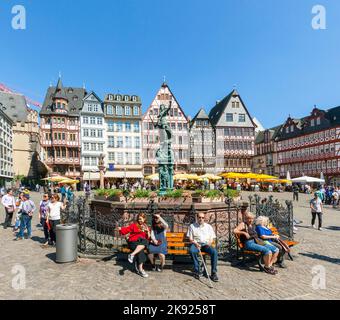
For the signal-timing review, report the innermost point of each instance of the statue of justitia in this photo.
(165, 155)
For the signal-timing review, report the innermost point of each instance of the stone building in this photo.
(202, 144)
(60, 129)
(26, 137)
(180, 127)
(92, 133)
(123, 137)
(235, 134)
(6, 149)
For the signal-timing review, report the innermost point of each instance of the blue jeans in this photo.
(194, 252)
(267, 249)
(26, 222)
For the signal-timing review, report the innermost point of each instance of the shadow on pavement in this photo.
(52, 256)
(320, 257)
(38, 239)
(333, 228)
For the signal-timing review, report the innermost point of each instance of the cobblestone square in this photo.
(91, 279)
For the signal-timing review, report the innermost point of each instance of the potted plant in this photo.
(101, 194)
(175, 196)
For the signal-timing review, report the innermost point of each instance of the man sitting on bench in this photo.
(202, 236)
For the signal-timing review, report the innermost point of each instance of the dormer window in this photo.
(126, 98)
(70, 90)
(119, 98)
(287, 130)
(312, 123)
(292, 128)
(134, 98)
(318, 121)
(110, 97)
(75, 98)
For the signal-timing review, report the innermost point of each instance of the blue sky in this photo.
(266, 48)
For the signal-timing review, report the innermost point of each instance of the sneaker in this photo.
(269, 271)
(282, 265)
(143, 274)
(295, 229)
(214, 277)
(18, 239)
(154, 268)
(320, 229)
(130, 258)
(197, 276)
(314, 226)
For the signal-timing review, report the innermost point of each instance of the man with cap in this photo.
(27, 209)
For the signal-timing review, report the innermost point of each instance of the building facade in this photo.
(311, 145)
(202, 144)
(123, 116)
(6, 149)
(60, 130)
(92, 136)
(180, 127)
(235, 134)
(265, 160)
(26, 137)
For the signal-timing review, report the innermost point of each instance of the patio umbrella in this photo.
(153, 177)
(265, 177)
(69, 181)
(57, 178)
(210, 177)
(181, 176)
(232, 175)
(306, 179)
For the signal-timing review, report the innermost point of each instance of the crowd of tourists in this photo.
(23, 208)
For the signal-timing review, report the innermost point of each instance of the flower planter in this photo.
(207, 200)
(102, 198)
(141, 200)
(174, 200)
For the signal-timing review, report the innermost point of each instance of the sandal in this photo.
(269, 271)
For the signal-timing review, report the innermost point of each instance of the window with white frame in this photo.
(86, 146)
(111, 142)
(86, 132)
(99, 121)
(119, 110)
(136, 127)
(120, 143)
(318, 121)
(312, 123)
(109, 109)
(111, 156)
(119, 127)
(92, 120)
(110, 126)
(85, 120)
(128, 157)
(100, 133)
(128, 111)
(100, 147)
(93, 133)
(120, 158)
(136, 111)
(137, 158)
(137, 142)
(93, 147)
(127, 127)
(95, 108)
(128, 142)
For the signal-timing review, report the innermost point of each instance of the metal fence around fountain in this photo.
(282, 217)
(98, 235)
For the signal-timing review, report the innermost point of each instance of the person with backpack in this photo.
(27, 209)
(43, 208)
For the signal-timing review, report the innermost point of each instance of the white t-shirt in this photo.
(202, 234)
(316, 205)
(55, 210)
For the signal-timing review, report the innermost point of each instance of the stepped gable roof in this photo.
(14, 106)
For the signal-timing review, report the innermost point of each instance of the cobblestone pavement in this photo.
(89, 279)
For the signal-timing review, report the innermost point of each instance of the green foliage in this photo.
(141, 194)
(230, 193)
(174, 194)
(198, 193)
(19, 178)
(109, 192)
(213, 194)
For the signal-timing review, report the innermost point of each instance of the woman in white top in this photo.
(53, 215)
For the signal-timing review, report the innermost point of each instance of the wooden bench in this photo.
(178, 244)
(258, 255)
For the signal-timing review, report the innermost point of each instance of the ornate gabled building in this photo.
(180, 127)
(265, 160)
(202, 144)
(311, 145)
(92, 136)
(235, 134)
(60, 129)
(26, 137)
(123, 121)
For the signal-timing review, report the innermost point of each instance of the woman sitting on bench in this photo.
(139, 235)
(246, 231)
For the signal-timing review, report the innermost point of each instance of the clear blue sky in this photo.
(267, 48)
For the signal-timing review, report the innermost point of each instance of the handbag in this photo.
(10, 209)
(259, 241)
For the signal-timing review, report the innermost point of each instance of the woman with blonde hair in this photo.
(248, 236)
(266, 234)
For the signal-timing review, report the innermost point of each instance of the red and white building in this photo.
(60, 130)
(180, 127)
(311, 145)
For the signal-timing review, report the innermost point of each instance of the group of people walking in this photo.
(24, 208)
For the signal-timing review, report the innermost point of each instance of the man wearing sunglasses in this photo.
(202, 237)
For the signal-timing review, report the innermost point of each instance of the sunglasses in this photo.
(201, 218)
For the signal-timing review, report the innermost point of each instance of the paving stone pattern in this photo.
(91, 279)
